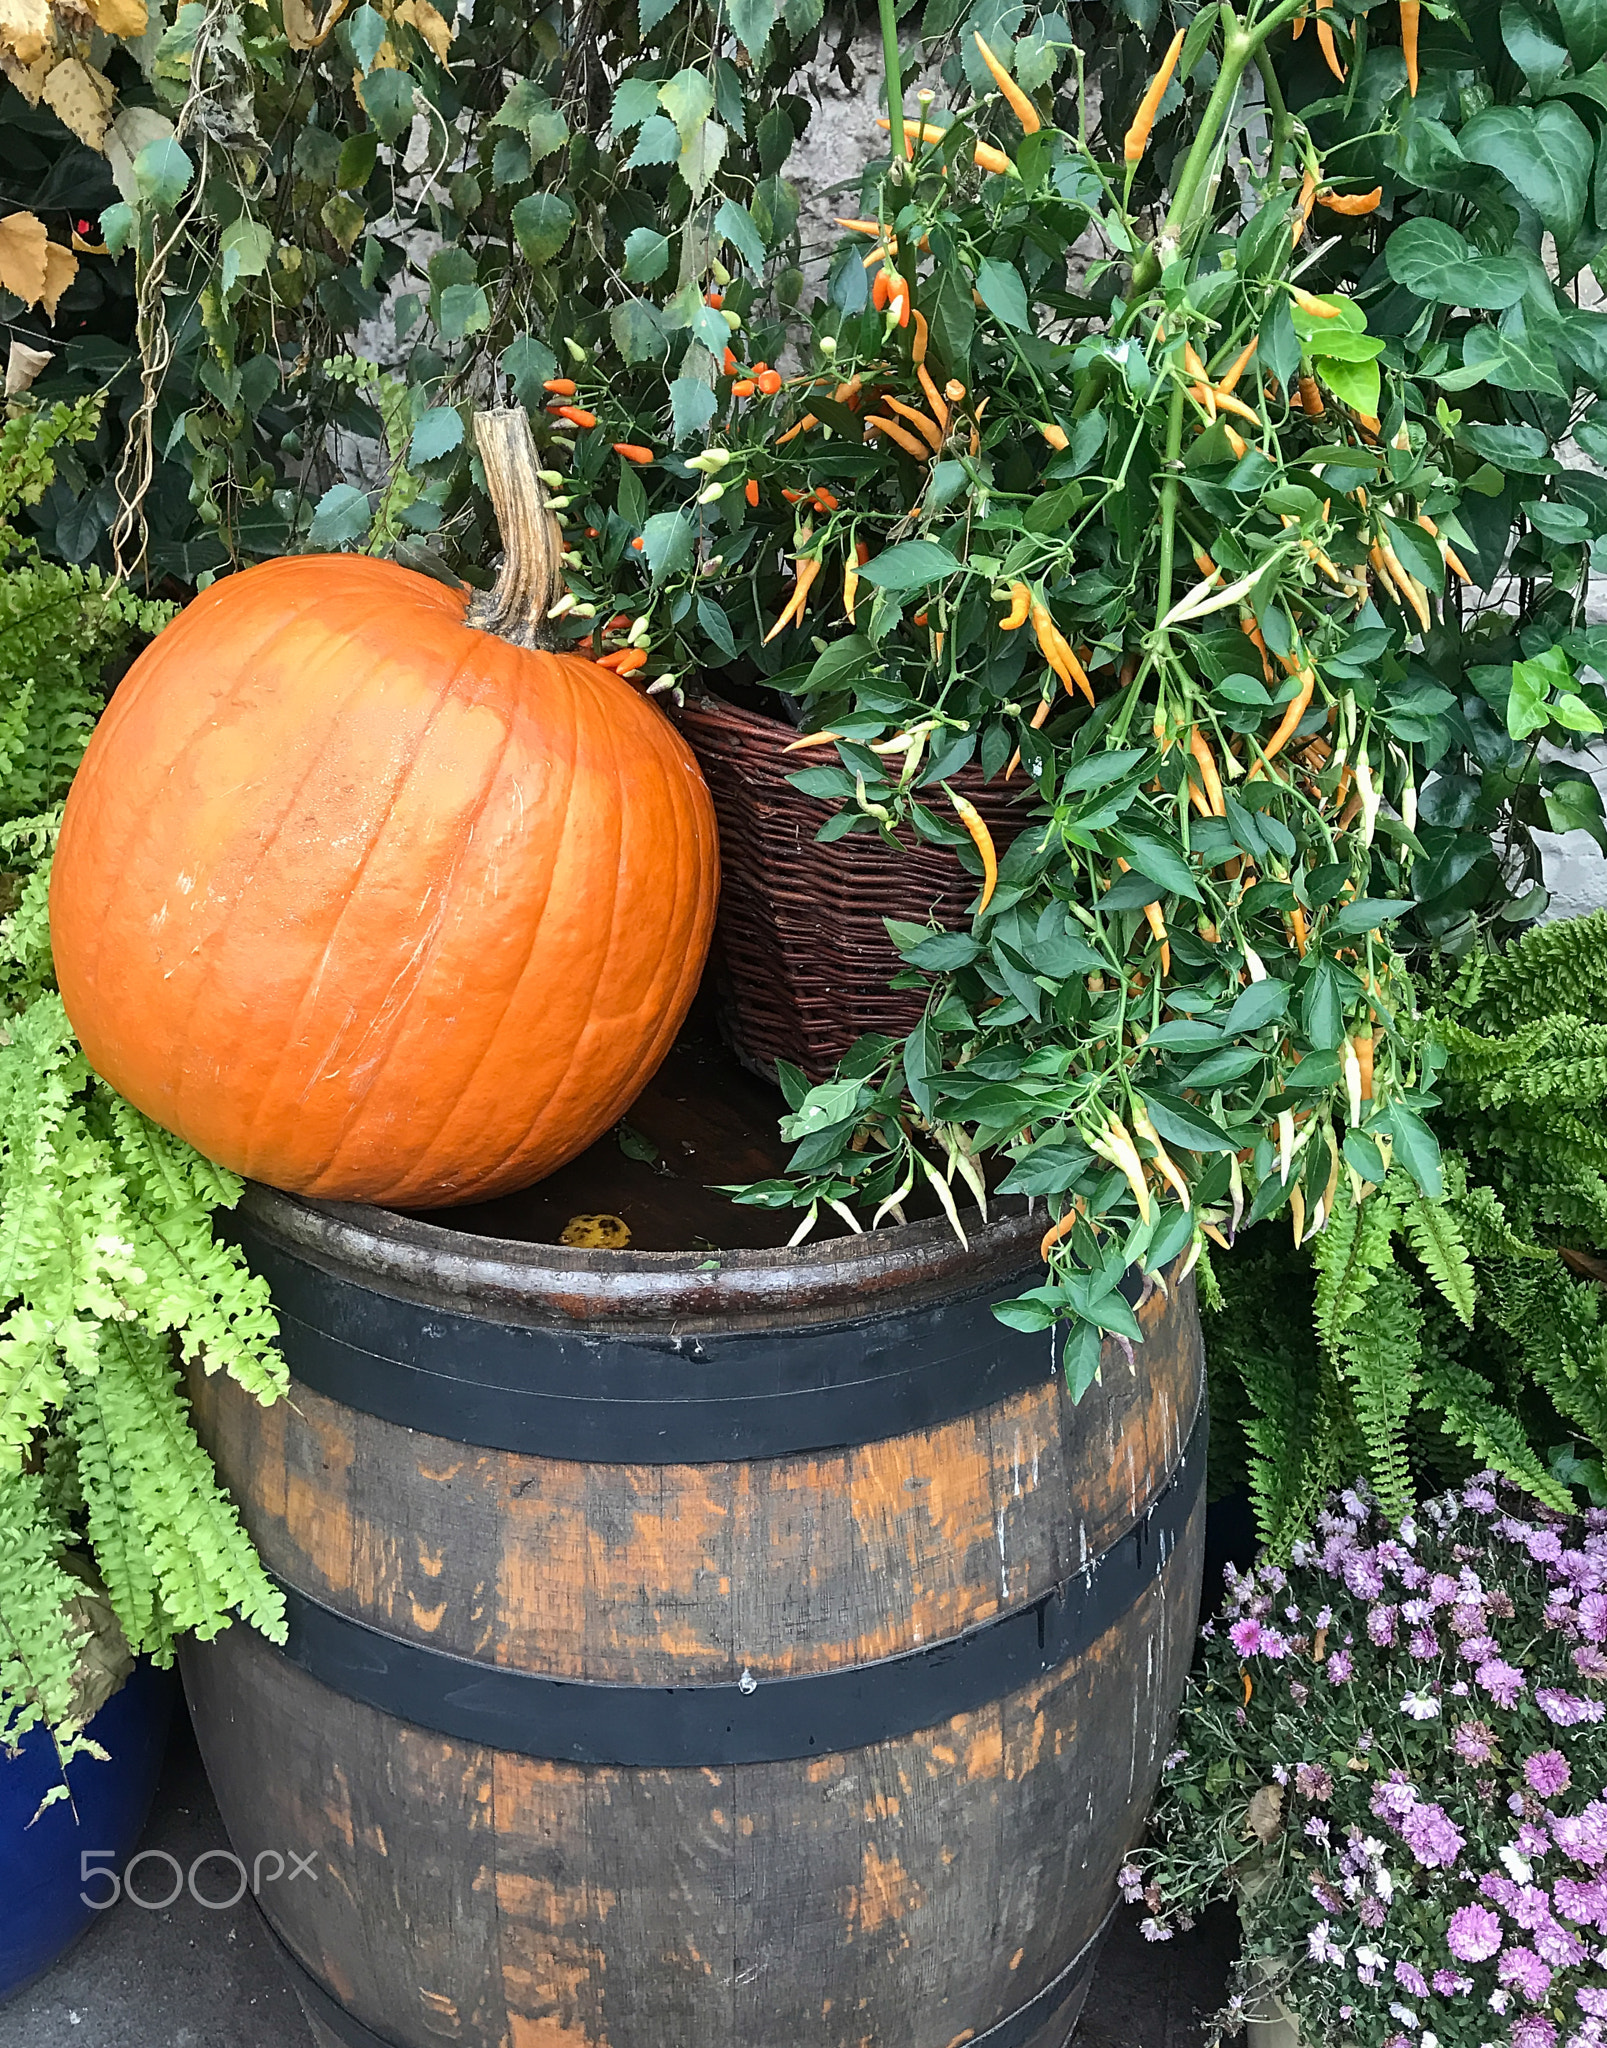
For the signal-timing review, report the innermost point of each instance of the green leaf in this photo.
(1417, 1149)
(1181, 1123)
(436, 433)
(362, 33)
(912, 565)
(692, 405)
(659, 142)
(1532, 684)
(387, 98)
(358, 155)
(753, 20)
(1362, 1152)
(1256, 1005)
(1367, 912)
(1574, 805)
(246, 246)
(1003, 293)
(1545, 153)
(1584, 23)
(116, 227)
(342, 515)
(1510, 361)
(162, 173)
(649, 13)
(688, 99)
(464, 310)
(735, 223)
(1322, 1014)
(541, 225)
(527, 364)
(1569, 525)
(702, 157)
(1158, 860)
(546, 131)
(1081, 1361)
(344, 217)
(667, 540)
(638, 331)
(634, 100)
(1354, 384)
(647, 254)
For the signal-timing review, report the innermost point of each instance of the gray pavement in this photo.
(190, 1978)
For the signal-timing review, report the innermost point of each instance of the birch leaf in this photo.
(27, 28)
(303, 29)
(23, 243)
(431, 24)
(61, 267)
(123, 18)
(81, 99)
(23, 365)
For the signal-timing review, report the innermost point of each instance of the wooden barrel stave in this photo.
(940, 1884)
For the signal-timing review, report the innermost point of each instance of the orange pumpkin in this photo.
(369, 897)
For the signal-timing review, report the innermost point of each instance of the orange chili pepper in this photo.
(1411, 18)
(1362, 1046)
(638, 543)
(1023, 109)
(1053, 645)
(809, 420)
(1037, 721)
(826, 501)
(1248, 1687)
(808, 569)
(1317, 308)
(562, 387)
(982, 839)
(1252, 633)
(1304, 204)
(714, 299)
(918, 346)
(633, 452)
(896, 434)
(1057, 1231)
(1227, 383)
(1155, 918)
(576, 415)
(1352, 202)
(881, 291)
(861, 552)
(742, 388)
(1020, 605)
(729, 364)
(1136, 140)
(985, 156)
(930, 431)
(1325, 41)
(750, 490)
(1293, 713)
(626, 661)
(769, 382)
(934, 399)
(1311, 399)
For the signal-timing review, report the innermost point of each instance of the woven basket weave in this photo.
(802, 958)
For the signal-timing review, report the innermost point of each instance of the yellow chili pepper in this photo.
(1228, 381)
(918, 346)
(1200, 749)
(1058, 654)
(982, 839)
(1023, 109)
(850, 590)
(1156, 920)
(932, 433)
(985, 156)
(808, 569)
(1317, 308)
(1293, 713)
(1325, 40)
(1020, 605)
(1136, 140)
(934, 397)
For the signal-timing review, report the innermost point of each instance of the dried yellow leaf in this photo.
(27, 29)
(303, 29)
(23, 243)
(61, 267)
(29, 79)
(81, 97)
(125, 18)
(431, 24)
(386, 58)
(23, 365)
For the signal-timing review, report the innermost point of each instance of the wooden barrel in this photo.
(756, 1650)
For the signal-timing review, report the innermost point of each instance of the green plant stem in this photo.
(1169, 493)
(1282, 126)
(894, 76)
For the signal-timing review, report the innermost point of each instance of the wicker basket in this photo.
(802, 958)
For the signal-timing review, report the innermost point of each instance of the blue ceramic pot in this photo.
(41, 1866)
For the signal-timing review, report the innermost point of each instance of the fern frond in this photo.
(1471, 1415)
(1434, 1236)
(1350, 1254)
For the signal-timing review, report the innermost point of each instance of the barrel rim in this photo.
(521, 1282)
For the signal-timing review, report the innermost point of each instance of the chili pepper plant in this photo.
(1078, 479)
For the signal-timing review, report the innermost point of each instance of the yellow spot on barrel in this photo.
(596, 1233)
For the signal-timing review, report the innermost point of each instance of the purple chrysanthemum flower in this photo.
(1423, 1644)
(1432, 1836)
(1381, 1626)
(1547, 1772)
(1338, 1669)
(1245, 1636)
(1522, 1970)
(1532, 2031)
(1583, 1836)
(1504, 1682)
(1474, 1741)
(1590, 1662)
(1314, 1781)
(1474, 1934)
(1411, 1980)
(1451, 1983)
(1393, 1799)
(1567, 1709)
(1592, 2001)
(1544, 1546)
(1364, 1575)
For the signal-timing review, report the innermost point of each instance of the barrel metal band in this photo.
(551, 1392)
(755, 1721)
(1016, 2030)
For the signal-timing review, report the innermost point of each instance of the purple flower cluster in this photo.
(1443, 1867)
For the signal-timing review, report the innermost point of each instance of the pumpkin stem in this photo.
(531, 577)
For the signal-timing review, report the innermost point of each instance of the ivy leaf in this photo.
(638, 331)
(541, 225)
(162, 173)
(1432, 260)
(1532, 683)
(658, 143)
(701, 157)
(342, 515)
(1003, 293)
(436, 433)
(734, 221)
(1355, 384)
(1584, 23)
(753, 20)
